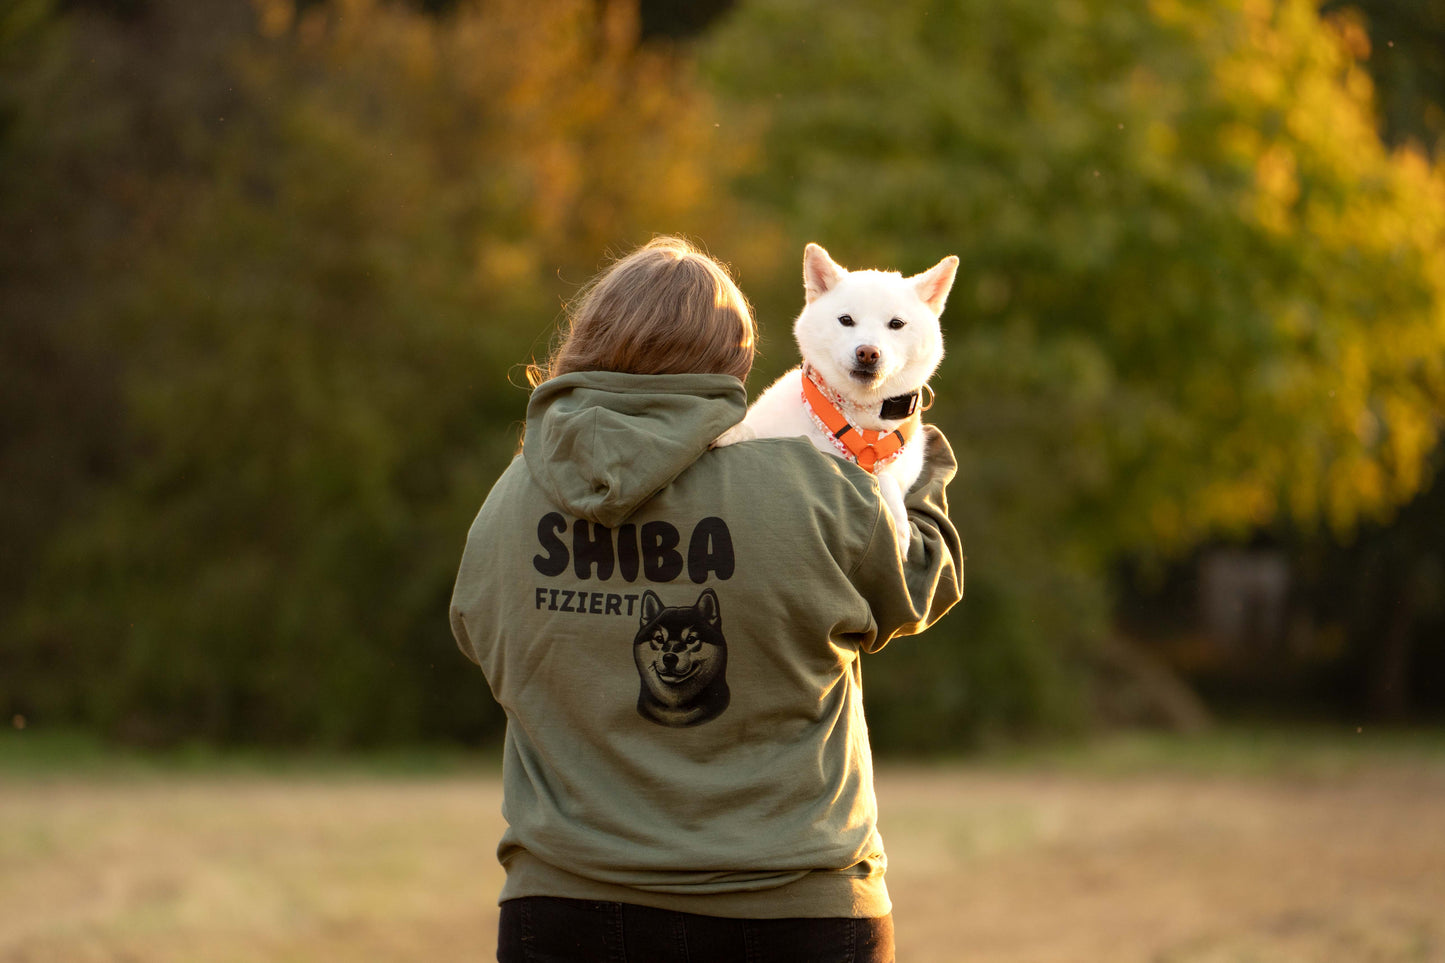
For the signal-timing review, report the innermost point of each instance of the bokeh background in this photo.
(269, 271)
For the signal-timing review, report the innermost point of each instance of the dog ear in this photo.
(651, 605)
(934, 284)
(820, 272)
(708, 605)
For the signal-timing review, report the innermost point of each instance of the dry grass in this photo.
(1168, 869)
(1002, 863)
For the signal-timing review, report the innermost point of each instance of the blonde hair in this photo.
(666, 308)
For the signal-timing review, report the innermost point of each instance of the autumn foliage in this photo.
(270, 272)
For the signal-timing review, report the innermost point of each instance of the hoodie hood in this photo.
(601, 443)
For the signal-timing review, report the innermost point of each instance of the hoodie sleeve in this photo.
(907, 600)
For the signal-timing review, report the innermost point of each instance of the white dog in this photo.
(870, 340)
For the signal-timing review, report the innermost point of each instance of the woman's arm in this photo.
(906, 600)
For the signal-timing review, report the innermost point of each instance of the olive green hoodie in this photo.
(674, 632)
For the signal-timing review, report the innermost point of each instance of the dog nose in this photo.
(669, 660)
(867, 354)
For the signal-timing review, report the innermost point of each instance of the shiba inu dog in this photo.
(682, 658)
(870, 340)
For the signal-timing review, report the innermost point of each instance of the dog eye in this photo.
(846, 320)
(896, 323)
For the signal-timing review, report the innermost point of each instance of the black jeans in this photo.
(544, 929)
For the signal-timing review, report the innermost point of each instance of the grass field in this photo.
(1237, 848)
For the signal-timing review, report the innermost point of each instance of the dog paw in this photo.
(903, 531)
(892, 494)
(905, 537)
(742, 431)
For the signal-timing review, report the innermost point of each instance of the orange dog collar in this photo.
(871, 449)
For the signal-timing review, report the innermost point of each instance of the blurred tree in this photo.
(1391, 667)
(1403, 45)
(77, 165)
(278, 260)
(1377, 590)
(1383, 591)
(120, 9)
(679, 19)
(348, 227)
(1196, 290)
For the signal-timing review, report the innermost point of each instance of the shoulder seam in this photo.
(868, 545)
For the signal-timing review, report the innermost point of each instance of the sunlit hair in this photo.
(666, 308)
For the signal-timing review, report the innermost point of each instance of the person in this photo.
(674, 632)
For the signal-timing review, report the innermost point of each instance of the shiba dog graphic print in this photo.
(682, 660)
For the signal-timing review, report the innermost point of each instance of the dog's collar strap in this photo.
(870, 449)
(900, 406)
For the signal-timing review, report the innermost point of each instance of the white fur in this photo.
(906, 359)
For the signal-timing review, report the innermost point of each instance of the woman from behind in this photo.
(675, 632)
